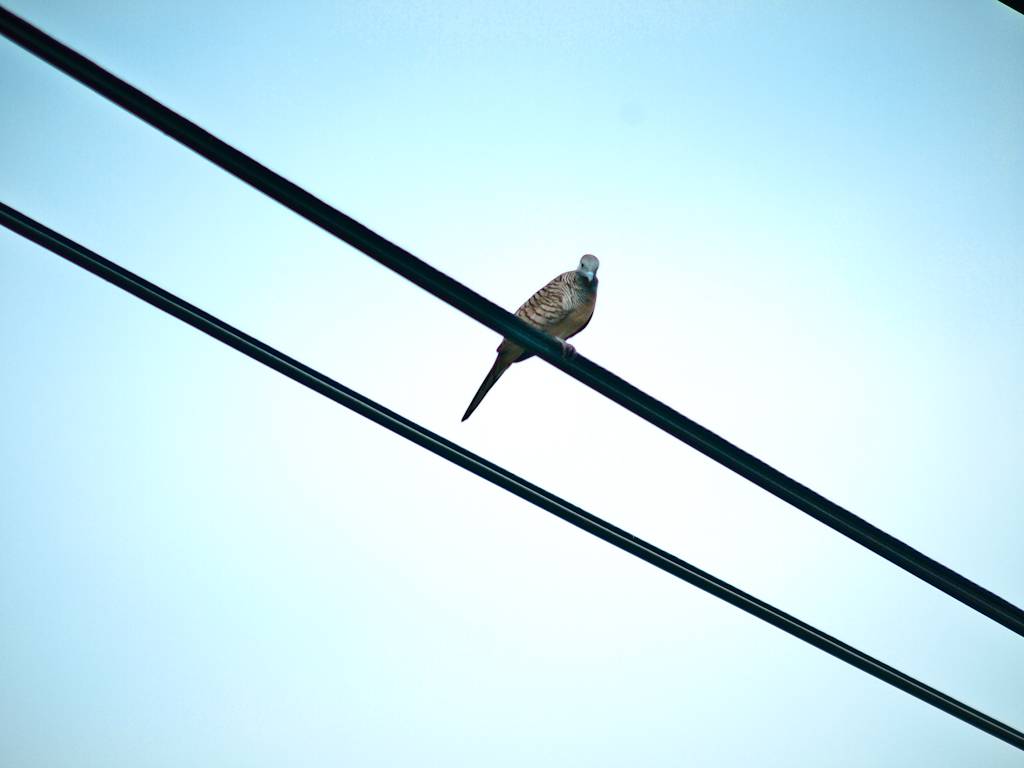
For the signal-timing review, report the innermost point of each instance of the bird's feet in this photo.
(568, 350)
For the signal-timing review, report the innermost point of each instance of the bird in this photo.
(561, 309)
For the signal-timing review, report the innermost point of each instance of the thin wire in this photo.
(207, 323)
(462, 298)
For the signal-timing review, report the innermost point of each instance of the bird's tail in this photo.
(499, 367)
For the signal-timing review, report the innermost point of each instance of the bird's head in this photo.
(588, 268)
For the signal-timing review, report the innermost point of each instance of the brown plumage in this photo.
(561, 309)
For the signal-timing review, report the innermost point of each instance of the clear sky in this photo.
(810, 220)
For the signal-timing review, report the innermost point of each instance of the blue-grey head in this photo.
(587, 269)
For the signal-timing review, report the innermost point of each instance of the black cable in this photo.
(462, 298)
(207, 323)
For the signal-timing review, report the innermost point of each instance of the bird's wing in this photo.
(551, 304)
(544, 310)
(562, 308)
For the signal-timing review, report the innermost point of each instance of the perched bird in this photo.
(562, 308)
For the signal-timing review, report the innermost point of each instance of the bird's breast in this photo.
(575, 320)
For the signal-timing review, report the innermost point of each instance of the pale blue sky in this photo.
(809, 222)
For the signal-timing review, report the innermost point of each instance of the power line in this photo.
(462, 298)
(203, 321)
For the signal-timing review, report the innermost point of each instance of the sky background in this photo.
(809, 220)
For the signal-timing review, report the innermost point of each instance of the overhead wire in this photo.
(364, 406)
(467, 301)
